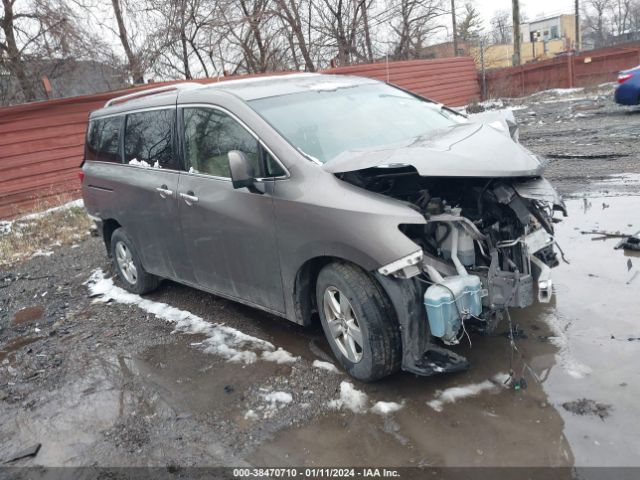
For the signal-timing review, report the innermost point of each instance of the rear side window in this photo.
(209, 136)
(148, 139)
(103, 140)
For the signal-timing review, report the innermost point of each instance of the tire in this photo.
(380, 352)
(126, 262)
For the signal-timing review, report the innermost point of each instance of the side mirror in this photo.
(242, 173)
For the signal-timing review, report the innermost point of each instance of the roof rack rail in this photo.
(152, 91)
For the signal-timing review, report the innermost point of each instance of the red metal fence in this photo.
(452, 81)
(41, 143)
(586, 69)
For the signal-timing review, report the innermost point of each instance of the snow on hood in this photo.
(463, 150)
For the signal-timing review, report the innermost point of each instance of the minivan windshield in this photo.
(325, 123)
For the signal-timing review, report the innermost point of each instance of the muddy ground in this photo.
(109, 384)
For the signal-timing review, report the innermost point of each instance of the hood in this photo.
(462, 150)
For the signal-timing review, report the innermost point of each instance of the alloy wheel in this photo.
(125, 262)
(343, 324)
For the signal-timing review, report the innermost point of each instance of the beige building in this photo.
(541, 39)
(501, 55)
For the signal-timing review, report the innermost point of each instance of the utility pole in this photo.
(484, 73)
(455, 28)
(577, 33)
(516, 32)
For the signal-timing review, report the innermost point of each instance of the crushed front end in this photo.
(487, 245)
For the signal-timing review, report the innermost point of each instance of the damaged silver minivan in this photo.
(398, 222)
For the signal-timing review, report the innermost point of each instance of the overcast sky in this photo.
(531, 8)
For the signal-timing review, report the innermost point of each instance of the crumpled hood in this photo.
(463, 150)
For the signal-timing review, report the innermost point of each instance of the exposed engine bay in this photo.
(487, 245)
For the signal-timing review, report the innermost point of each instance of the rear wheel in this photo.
(127, 263)
(358, 321)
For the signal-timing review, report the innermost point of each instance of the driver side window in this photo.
(209, 136)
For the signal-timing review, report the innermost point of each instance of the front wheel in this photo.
(358, 321)
(128, 265)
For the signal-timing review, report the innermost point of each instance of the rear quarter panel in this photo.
(628, 93)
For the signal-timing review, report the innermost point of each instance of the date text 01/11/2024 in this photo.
(315, 473)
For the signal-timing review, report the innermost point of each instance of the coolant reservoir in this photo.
(440, 301)
(466, 250)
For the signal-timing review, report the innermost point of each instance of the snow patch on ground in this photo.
(278, 397)
(42, 253)
(65, 206)
(565, 357)
(279, 356)
(453, 394)
(7, 226)
(358, 402)
(275, 401)
(227, 342)
(328, 366)
(350, 398)
(385, 408)
(492, 104)
(251, 415)
(559, 91)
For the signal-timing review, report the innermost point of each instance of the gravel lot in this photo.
(110, 384)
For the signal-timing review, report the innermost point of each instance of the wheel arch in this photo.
(304, 286)
(109, 226)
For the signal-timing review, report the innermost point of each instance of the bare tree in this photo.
(634, 19)
(131, 22)
(134, 60)
(339, 22)
(12, 53)
(501, 29)
(291, 13)
(412, 24)
(33, 32)
(366, 7)
(596, 20)
(180, 36)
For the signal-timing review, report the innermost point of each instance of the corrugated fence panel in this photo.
(42, 143)
(587, 69)
(452, 81)
(596, 69)
(527, 79)
(41, 147)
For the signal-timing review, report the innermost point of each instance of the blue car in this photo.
(628, 90)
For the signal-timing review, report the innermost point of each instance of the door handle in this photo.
(189, 198)
(164, 191)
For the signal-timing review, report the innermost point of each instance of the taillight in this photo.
(623, 77)
(81, 176)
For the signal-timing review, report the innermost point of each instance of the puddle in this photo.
(199, 383)
(474, 430)
(596, 312)
(27, 315)
(122, 411)
(68, 423)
